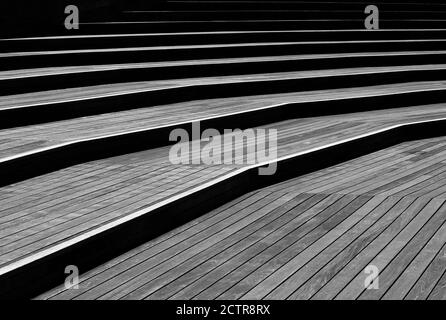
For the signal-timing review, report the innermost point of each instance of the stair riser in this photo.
(309, 5)
(100, 58)
(86, 28)
(271, 15)
(250, 25)
(216, 38)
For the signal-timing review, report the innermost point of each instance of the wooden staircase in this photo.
(85, 117)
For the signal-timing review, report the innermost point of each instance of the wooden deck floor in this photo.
(307, 238)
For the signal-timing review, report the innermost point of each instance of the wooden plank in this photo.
(151, 269)
(298, 246)
(303, 250)
(439, 292)
(354, 289)
(361, 259)
(432, 274)
(334, 258)
(215, 265)
(409, 277)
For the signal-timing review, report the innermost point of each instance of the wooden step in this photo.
(92, 41)
(44, 79)
(32, 108)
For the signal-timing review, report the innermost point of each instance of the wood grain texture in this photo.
(85, 168)
(299, 239)
(44, 211)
